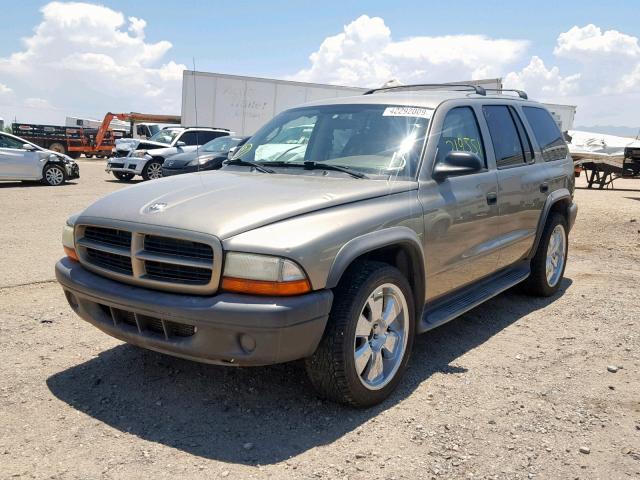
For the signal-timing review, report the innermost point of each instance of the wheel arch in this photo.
(559, 201)
(397, 246)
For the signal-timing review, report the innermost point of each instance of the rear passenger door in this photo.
(522, 182)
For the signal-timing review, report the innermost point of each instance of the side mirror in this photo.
(28, 147)
(180, 144)
(231, 151)
(456, 164)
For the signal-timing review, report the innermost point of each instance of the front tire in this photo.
(123, 176)
(550, 260)
(152, 170)
(368, 339)
(53, 175)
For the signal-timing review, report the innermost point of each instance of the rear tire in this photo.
(363, 354)
(123, 176)
(152, 170)
(58, 147)
(550, 260)
(53, 175)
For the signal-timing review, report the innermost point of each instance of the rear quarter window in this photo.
(546, 133)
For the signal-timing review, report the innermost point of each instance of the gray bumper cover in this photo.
(275, 329)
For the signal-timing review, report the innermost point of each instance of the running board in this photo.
(450, 307)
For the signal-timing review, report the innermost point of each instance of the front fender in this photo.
(368, 242)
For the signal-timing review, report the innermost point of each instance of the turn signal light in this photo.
(262, 287)
(71, 253)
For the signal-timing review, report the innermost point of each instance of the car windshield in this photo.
(165, 136)
(371, 139)
(221, 144)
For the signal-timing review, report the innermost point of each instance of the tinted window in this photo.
(460, 132)
(547, 133)
(504, 136)
(9, 142)
(524, 136)
(197, 137)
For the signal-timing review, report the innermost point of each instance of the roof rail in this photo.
(207, 128)
(426, 86)
(522, 94)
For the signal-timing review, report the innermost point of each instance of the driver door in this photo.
(460, 212)
(15, 162)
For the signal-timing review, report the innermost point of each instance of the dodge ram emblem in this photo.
(157, 207)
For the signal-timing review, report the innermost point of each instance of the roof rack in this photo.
(522, 94)
(207, 128)
(426, 86)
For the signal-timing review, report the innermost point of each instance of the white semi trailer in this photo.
(244, 104)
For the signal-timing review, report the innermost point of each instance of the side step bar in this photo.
(452, 306)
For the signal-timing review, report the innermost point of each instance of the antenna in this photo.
(195, 107)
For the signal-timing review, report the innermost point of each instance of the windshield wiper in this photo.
(335, 168)
(247, 163)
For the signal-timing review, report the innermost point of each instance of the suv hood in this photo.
(226, 203)
(128, 144)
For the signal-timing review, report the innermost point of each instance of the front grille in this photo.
(110, 261)
(108, 236)
(121, 153)
(177, 273)
(186, 265)
(116, 165)
(178, 247)
(152, 326)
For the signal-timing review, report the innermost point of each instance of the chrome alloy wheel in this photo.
(556, 253)
(54, 176)
(154, 171)
(381, 336)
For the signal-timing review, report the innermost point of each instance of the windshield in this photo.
(221, 144)
(371, 139)
(165, 136)
(153, 129)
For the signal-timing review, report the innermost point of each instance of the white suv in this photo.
(145, 157)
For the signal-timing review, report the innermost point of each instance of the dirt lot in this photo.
(514, 389)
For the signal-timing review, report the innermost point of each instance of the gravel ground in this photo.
(517, 388)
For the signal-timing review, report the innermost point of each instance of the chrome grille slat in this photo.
(138, 255)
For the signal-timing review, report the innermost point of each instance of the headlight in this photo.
(263, 275)
(139, 153)
(68, 240)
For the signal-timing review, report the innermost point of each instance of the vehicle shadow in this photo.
(216, 412)
(35, 183)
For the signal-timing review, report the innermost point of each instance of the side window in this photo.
(460, 132)
(524, 137)
(207, 136)
(191, 138)
(504, 136)
(9, 142)
(547, 133)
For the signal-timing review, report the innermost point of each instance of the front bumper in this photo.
(126, 164)
(225, 329)
(73, 171)
(167, 172)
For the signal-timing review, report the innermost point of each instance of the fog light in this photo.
(247, 342)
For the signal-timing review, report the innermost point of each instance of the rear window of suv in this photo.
(547, 133)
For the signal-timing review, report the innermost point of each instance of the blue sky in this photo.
(275, 39)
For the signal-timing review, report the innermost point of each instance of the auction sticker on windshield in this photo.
(407, 112)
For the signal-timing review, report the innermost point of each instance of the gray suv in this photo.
(402, 209)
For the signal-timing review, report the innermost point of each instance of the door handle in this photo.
(492, 198)
(544, 187)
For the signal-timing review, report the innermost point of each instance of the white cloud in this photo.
(88, 59)
(365, 54)
(599, 71)
(542, 82)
